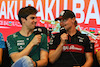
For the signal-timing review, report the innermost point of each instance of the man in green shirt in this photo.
(27, 49)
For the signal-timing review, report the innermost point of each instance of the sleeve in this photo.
(54, 41)
(43, 44)
(12, 45)
(2, 43)
(88, 47)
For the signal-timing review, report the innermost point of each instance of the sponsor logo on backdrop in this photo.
(8, 24)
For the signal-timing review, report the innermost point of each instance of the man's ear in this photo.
(73, 19)
(23, 20)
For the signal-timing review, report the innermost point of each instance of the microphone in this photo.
(62, 30)
(37, 31)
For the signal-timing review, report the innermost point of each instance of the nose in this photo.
(62, 24)
(35, 19)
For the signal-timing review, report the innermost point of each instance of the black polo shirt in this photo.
(73, 51)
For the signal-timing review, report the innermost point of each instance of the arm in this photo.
(89, 59)
(55, 54)
(1, 52)
(98, 56)
(88, 53)
(36, 40)
(43, 59)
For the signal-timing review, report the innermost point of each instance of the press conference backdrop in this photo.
(87, 14)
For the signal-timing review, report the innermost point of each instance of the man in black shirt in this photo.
(69, 48)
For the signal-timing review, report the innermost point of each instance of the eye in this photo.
(63, 20)
(33, 17)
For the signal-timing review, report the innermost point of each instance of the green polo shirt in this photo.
(16, 43)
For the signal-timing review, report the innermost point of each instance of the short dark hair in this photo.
(75, 23)
(26, 11)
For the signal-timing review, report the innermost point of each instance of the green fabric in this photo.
(16, 43)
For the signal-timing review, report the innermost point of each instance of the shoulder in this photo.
(82, 35)
(14, 35)
(55, 38)
(1, 36)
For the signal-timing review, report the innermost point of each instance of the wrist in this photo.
(35, 64)
(31, 44)
(62, 44)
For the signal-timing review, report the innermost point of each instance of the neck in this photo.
(26, 32)
(72, 31)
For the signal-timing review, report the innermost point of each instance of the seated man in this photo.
(2, 45)
(70, 48)
(26, 47)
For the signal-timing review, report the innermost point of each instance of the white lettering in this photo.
(65, 4)
(15, 12)
(41, 14)
(9, 10)
(93, 15)
(3, 10)
(79, 10)
(75, 48)
(65, 47)
(57, 8)
(21, 4)
(48, 10)
(1, 22)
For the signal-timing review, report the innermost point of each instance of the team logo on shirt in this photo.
(73, 48)
(20, 43)
(14, 35)
(80, 39)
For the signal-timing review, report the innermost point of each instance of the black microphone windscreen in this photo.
(62, 30)
(37, 31)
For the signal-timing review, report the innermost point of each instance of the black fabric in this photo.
(44, 30)
(66, 59)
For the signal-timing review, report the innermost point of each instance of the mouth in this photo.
(34, 23)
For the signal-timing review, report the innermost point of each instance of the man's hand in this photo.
(33, 62)
(37, 39)
(64, 37)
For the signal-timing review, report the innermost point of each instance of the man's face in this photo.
(67, 24)
(31, 21)
(61, 24)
